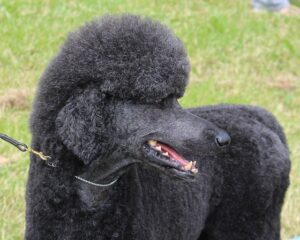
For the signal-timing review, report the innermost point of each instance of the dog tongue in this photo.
(173, 154)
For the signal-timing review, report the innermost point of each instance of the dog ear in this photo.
(81, 125)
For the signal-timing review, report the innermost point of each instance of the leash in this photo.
(24, 148)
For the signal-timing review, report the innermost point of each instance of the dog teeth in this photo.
(191, 166)
(188, 166)
(152, 143)
(158, 148)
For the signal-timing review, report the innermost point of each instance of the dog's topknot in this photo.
(127, 56)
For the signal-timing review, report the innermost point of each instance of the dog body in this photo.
(253, 174)
(107, 112)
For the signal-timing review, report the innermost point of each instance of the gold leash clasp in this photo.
(39, 154)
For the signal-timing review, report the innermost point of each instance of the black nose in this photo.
(223, 139)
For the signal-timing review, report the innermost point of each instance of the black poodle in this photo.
(128, 162)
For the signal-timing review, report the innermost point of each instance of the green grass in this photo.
(237, 57)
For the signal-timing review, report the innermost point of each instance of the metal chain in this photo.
(96, 184)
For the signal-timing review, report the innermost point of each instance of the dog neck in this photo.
(73, 204)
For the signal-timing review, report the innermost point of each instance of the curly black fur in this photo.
(127, 57)
(113, 86)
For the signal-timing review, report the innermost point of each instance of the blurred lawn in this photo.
(237, 57)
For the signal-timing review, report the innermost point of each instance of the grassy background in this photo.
(237, 56)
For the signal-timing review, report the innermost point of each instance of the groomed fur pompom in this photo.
(128, 57)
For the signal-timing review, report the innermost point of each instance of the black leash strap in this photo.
(21, 146)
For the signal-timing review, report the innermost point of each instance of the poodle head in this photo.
(110, 98)
(110, 134)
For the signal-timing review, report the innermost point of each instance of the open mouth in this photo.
(166, 156)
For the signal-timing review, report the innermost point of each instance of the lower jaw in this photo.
(184, 175)
(170, 170)
(166, 165)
